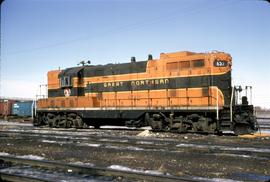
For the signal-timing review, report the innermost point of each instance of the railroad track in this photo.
(148, 145)
(102, 137)
(71, 131)
(93, 172)
(104, 148)
(264, 123)
(264, 118)
(90, 128)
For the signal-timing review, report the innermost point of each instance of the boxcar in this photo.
(6, 107)
(22, 108)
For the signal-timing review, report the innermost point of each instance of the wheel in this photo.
(182, 128)
(51, 119)
(77, 122)
(44, 119)
(55, 122)
(62, 123)
(38, 121)
(155, 125)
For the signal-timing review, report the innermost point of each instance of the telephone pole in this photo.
(1, 2)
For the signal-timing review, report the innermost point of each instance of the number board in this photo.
(220, 63)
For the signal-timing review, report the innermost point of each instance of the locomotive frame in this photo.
(181, 91)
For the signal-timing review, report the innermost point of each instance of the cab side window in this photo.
(65, 81)
(184, 64)
(172, 66)
(198, 63)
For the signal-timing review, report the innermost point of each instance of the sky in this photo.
(42, 35)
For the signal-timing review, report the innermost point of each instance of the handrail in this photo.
(231, 114)
(217, 105)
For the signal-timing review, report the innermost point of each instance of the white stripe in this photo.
(130, 108)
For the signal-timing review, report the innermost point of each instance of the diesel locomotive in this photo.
(179, 92)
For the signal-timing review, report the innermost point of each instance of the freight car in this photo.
(23, 108)
(6, 107)
(16, 108)
(181, 91)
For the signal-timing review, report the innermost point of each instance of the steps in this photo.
(225, 123)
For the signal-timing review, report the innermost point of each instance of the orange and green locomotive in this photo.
(181, 91)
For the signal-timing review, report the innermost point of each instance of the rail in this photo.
(19, 178)
(95, 171)
(263, 118)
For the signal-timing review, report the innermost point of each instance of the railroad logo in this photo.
(67, 92)
(134, 83)
(150, 82)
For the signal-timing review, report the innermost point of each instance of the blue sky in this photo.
(41, 35)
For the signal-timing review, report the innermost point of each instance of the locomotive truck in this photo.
(179, 92)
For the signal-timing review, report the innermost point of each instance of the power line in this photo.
(178, 13)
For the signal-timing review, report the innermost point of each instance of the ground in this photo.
(201, 156)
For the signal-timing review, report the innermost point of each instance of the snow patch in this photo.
(122, 141)
(3, 122)
(15, 130)
(49, 176)
(134, 148)
(144, 133)
(124, 168)
(4, 154)
(83, 163)
(48, 141)
(80, 138)
(124, 148)
(34, 157)
(90, 144)
(213, 179)
(57, 142)
(112, 140)
(220, 147)
(115, 127)
(239, 155)
(106, 140)
(145, 142)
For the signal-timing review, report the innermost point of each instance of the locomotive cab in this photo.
(70, 82)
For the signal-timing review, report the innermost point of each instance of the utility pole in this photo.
(1, 2)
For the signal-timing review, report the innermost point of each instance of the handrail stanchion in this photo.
(217, 105)
(231, 112)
